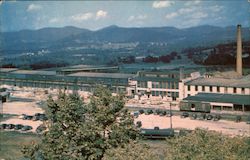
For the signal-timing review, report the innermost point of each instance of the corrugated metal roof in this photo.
(156, 79)
(102, 75)
(88, 68)
(223, 82)
(5, 70)
(223, 98)
(35, 72)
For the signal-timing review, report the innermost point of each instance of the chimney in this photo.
(239, 51)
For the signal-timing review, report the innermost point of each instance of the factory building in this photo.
(218, 91)
(116, 82)
(163, 84)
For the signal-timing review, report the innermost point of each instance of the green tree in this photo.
(207, 145)
(84, 131)
(131, 151)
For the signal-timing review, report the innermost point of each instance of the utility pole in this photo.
(170, 115)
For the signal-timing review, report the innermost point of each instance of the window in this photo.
(173, 85)
(242, 90)
(218, 89)
(169, 85)
(153, 93)
(235, 89)
(188, 87)
(196, 88)
(142, 84)
(211, 88)
(192, 105)
(203, 88)
(156, 93)
(155, 84)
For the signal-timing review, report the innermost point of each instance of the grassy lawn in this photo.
(11, 143)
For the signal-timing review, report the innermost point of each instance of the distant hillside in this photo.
(56, 38)
(221, 54)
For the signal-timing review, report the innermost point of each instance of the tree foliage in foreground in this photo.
(131, 151)
(207, 145)
(84, 131)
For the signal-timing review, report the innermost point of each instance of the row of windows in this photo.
(169, 85)
(218, 89)
(162, 75)
(164, 93)
(142, 84)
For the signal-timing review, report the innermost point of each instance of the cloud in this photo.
(137, 18)
(33, 7)
(185, 10)
(179, 12)
(199, 15)
(82, 17)
(171, 15)
(216, 8)
(162, 4)
(101, 14)
(190, 3)
(54, 20)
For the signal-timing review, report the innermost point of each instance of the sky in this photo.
(94, 15)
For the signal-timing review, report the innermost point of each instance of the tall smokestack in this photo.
(239, 51)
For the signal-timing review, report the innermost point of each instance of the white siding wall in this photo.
(149, 84)
(199, 88)
(222, 89)
(207, 89)
(238, 90)
(247, 91)
(214, 89)
(230, 90)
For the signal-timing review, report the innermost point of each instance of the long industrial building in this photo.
(117, 82)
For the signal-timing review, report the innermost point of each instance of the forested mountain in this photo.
(54, 38)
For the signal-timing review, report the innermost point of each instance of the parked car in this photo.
(202, 116)
(184, 115)
(141, 111)
(209, 117)
(136, 114)
(26, 128)
(237, 118)
(36, 118)
(27, 117)
(217, 117)
(193, 116)
(157, 112)
(149, 111)
(163, 113)
(10, 126)
(43, 117)
(3, 126)
(18, 126)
